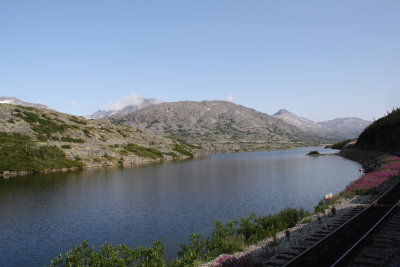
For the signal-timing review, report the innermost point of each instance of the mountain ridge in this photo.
(221, 126)
(332, 130)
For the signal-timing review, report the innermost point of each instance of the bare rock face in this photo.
(327, 131)
(217, 125)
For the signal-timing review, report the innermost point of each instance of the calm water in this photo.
(43, 215)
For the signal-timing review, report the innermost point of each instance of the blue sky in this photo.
(319, 59)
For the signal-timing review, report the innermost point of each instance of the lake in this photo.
(42, 215)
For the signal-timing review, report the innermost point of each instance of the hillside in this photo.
(35, 139)
(327, 131)
(383, 134)
(16, 101)
(218, 126)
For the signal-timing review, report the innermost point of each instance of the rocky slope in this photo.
(143, 103)
(91, 142)
(327, 131)
(217, 126)
(16, 101)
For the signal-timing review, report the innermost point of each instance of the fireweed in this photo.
(389, 169)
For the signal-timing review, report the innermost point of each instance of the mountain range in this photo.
(217, 126)
(220, 126)
(328, 131)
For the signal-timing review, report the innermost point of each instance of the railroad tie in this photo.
(363, 263)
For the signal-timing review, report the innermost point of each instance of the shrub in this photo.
(86, 131)
(109, 255)
(19, 153)
(313, 153)
(342, 144)
(235, 235)
(78, 120)
(66, 146)
(184, 150)
(145, 152)
(42, 125)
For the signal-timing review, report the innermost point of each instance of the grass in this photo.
(183, 149)
(43, 124)
(19, 153)
(78, 120)
(145, 152)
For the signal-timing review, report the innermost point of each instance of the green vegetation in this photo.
(86, 131)
(383, 134)
(144, 151)
(19, 153)
(341, 144)
(226, 238)
(43, 125)
(66, 146)
(235, 235)
(122, 134)
(72, 140)
(77, 120)
(313, 153)
(325, 204)
(183, 149)
(109, 255)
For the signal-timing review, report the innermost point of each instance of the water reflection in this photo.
(43, 215)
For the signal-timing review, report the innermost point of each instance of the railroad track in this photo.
(340, 246)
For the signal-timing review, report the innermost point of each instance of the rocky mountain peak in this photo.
(283, 112)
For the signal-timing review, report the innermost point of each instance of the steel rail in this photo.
(329, 250)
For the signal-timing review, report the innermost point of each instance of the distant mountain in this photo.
(16, 101)
(332, 130)
(146, 102)
(347, 127)
(300, 122)
(217, 125)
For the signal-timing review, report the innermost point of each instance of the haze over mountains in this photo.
(329, 131)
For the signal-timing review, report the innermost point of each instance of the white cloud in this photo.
(75, 103)
(229, 97)
(305, 115)
(131, 99)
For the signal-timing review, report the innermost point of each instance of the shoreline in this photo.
(143, 161)
(302, 232)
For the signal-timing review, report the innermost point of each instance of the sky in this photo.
(319, 59)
